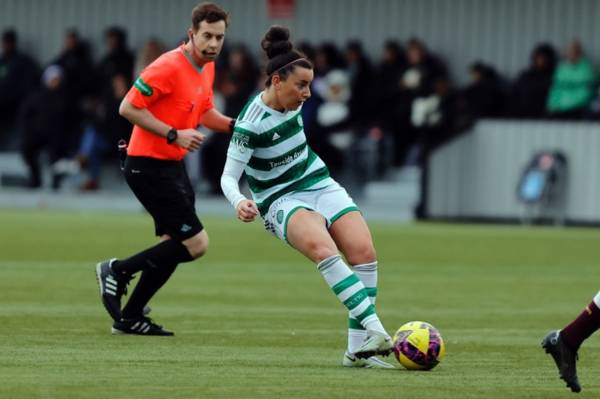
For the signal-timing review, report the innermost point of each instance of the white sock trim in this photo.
(355, 339)
(597, 299)
(367, 273)
(365, 267)
(326, 263)
(372, 323)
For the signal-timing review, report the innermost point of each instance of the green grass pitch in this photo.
(253, 319)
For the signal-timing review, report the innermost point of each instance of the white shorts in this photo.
(332, 202)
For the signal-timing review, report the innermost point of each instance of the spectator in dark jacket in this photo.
(42, 120)
(327, 58)
(485, 95)
(387, 94)
(118, 60)
(387, 89)
(423, 69)
(437, 119)
(530, 91)
(362, 78)
(19, 77)
(78, 82)
(104, 128)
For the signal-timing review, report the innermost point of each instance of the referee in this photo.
(170, 98)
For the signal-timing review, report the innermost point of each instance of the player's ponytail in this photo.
(283, 58)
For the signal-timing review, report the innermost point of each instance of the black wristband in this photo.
(231, 125)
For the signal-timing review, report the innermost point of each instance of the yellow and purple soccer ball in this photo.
(418, 346)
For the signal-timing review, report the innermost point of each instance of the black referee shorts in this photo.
(164, 189)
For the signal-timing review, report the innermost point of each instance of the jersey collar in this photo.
(190, 60)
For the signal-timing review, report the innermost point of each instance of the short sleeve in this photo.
(208, 104)
(243, 142)
(153, 83)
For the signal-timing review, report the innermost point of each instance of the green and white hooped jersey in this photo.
(273, 146)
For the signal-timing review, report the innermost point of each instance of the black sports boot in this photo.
(141, 326)
(112, 288)
(564, 357)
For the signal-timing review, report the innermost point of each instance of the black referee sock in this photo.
(150, 282)
(166, 252)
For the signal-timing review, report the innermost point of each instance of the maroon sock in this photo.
(582, 327)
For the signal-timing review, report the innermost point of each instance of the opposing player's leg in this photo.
(307, 232)
(564, 344)
(564, 357)
(584, 325)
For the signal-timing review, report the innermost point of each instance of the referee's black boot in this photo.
(141, 326)
(112, 288)
(564, 357)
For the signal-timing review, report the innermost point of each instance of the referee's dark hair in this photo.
(210, 13)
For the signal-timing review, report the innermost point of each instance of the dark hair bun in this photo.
(276, 41)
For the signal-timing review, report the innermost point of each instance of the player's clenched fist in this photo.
(247, 210)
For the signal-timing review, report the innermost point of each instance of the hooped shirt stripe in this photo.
(267, 164)
(278, 159)
(293, 173)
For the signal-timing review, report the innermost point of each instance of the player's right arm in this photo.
(190, 139)
(246, 209)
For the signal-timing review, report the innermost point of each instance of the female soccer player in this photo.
(298, 200)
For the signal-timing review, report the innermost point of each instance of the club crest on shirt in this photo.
(240, 141)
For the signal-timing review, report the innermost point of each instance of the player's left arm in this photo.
(216, 121)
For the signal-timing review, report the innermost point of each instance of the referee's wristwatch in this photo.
(171, 136)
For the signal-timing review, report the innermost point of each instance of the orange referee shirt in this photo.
(177, 93)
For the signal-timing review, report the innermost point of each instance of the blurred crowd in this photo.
(364, 118)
